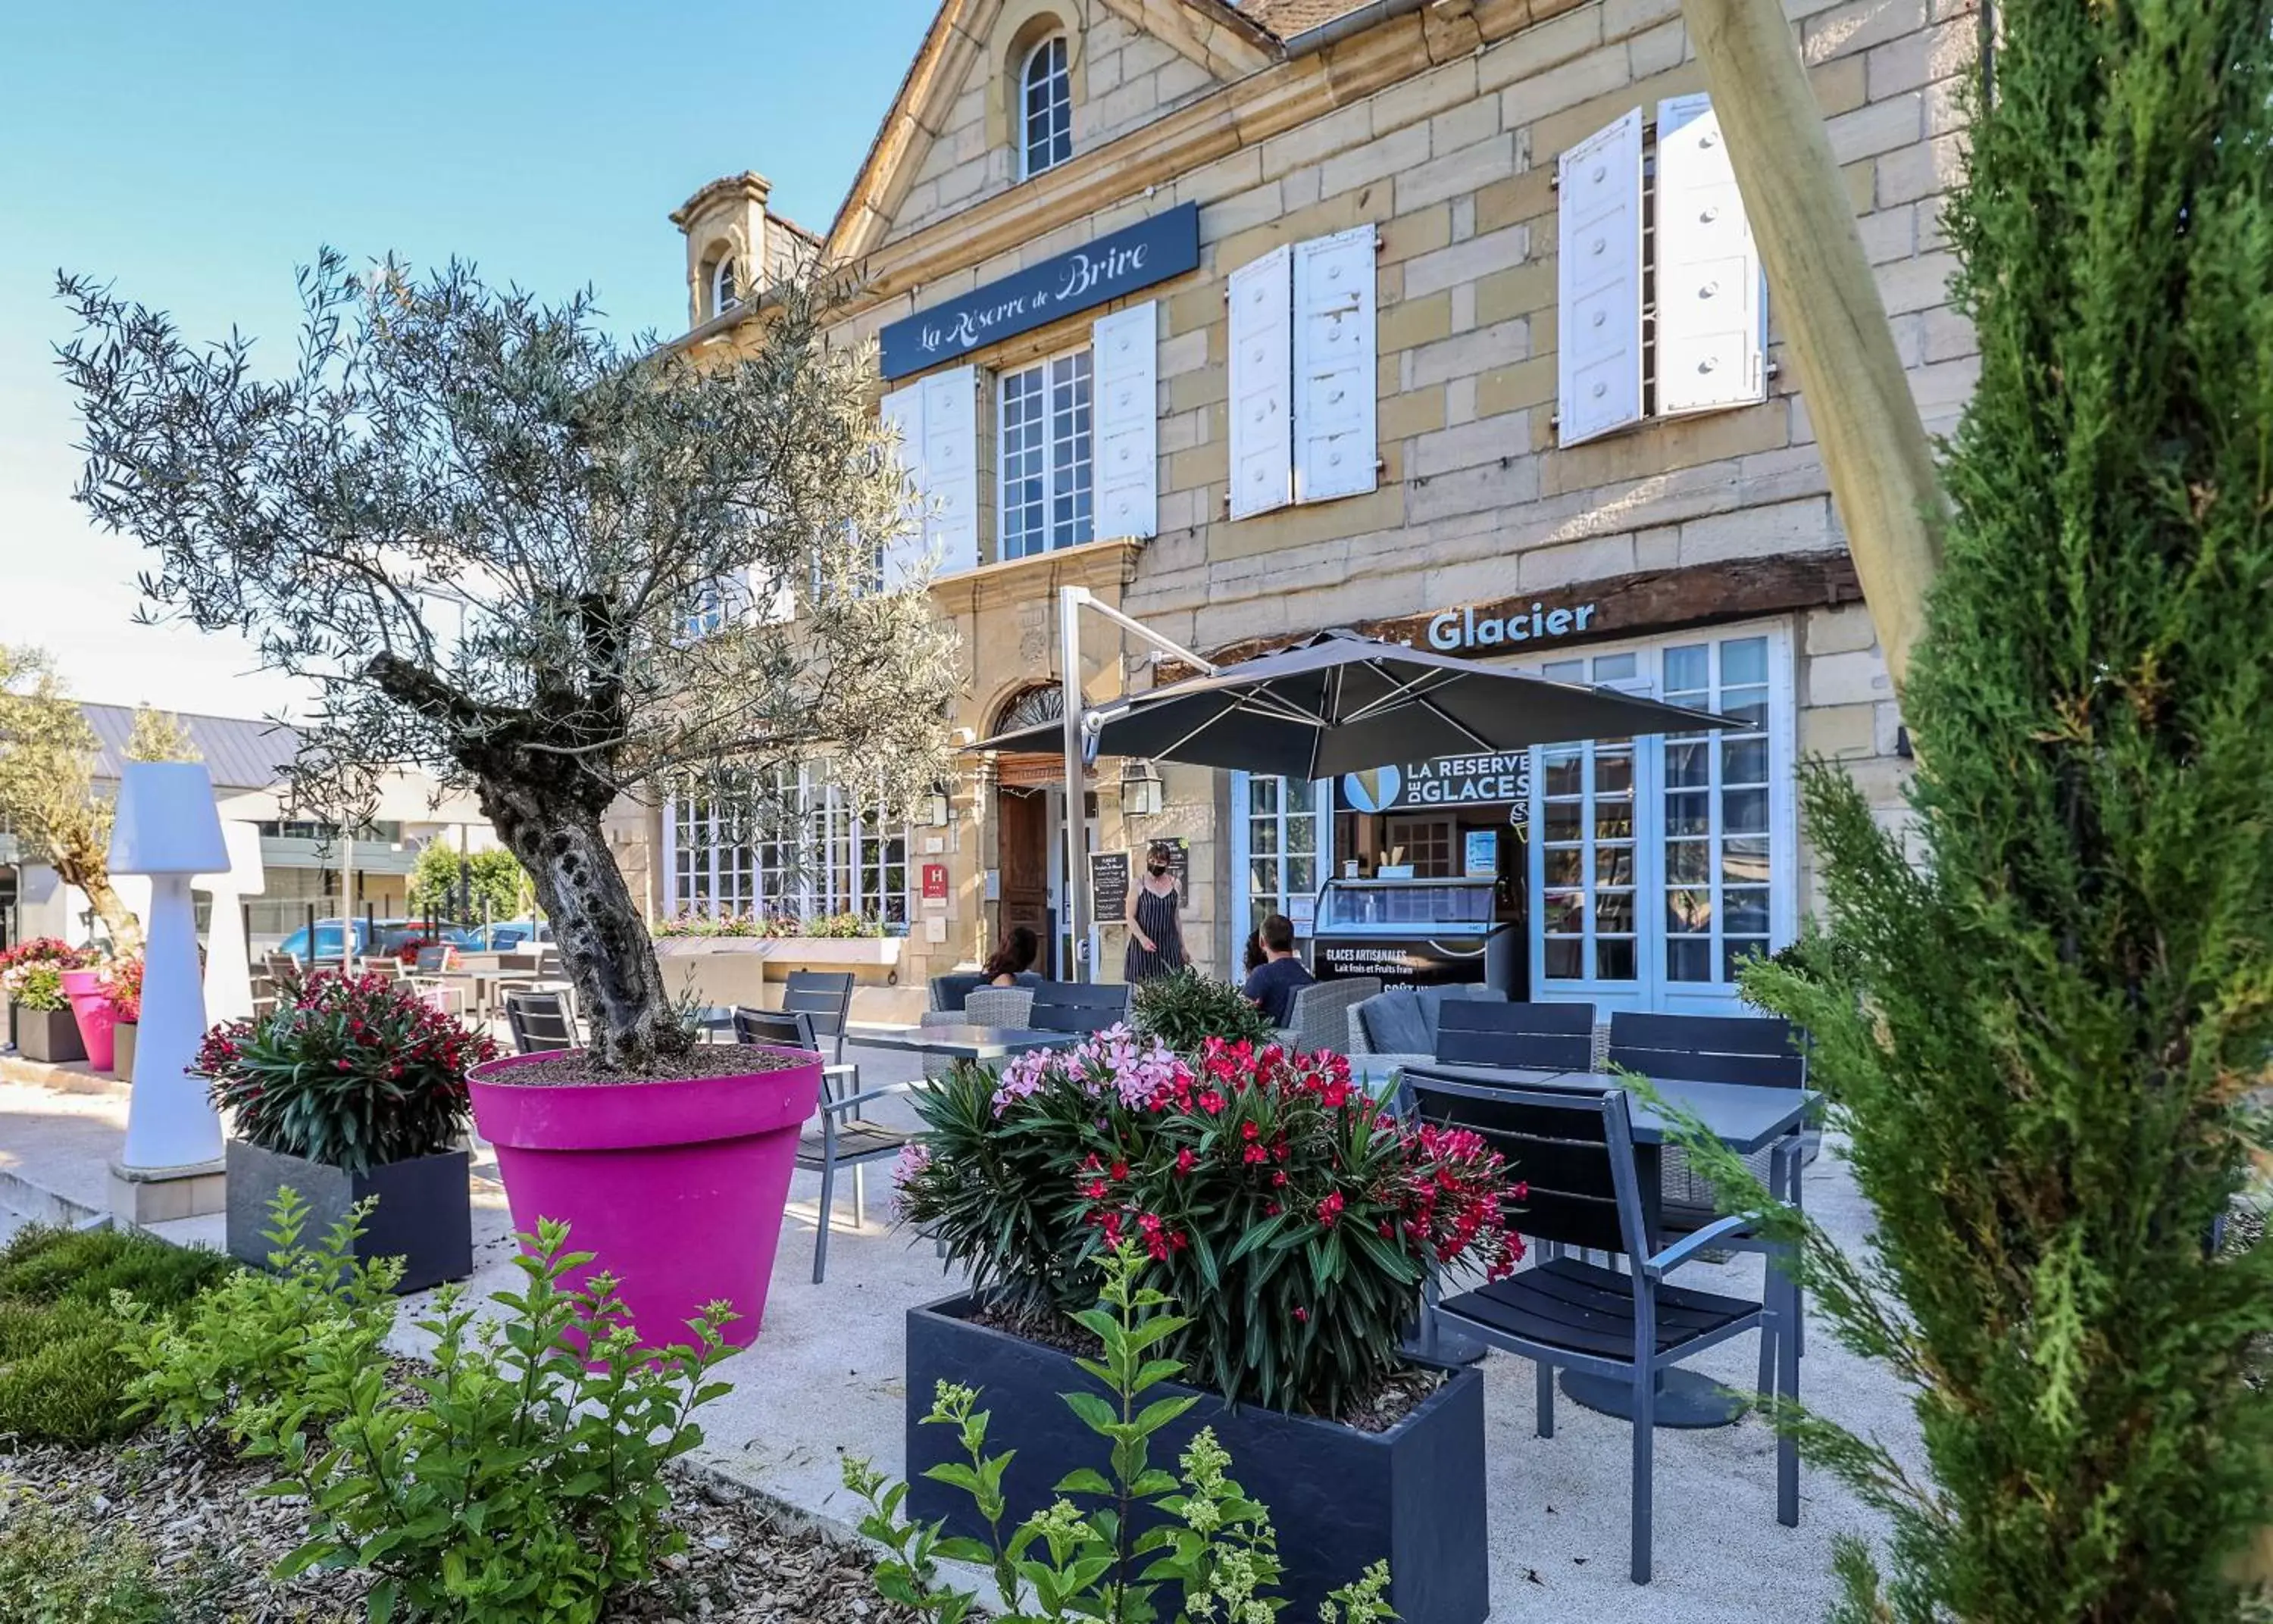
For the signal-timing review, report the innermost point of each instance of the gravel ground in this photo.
(190, 1501)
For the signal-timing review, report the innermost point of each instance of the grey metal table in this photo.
(961, 1042)
(1742, 1118)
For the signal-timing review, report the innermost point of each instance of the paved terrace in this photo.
(824, 1380)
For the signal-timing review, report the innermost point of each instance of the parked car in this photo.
(508, 935)
(397, 938)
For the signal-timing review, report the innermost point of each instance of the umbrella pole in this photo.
(1075, 912)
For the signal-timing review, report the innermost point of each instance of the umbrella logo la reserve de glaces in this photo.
(1374, 788)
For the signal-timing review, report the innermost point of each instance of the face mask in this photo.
(1156, 869)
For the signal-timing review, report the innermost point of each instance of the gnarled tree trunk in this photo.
(91, 878)
(602, 937)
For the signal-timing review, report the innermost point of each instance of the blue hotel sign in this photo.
(1152, 250)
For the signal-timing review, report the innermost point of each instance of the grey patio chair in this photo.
(826, 1000)
(1593, 1189)
(843, 1137)
(1318, 1017)
(539, 1021)
(1556, 1038)
(1078, 1007)
(1747, 1049)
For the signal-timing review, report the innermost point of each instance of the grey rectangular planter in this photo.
(425, 1214)
(49, 1035)
(1340, 1499)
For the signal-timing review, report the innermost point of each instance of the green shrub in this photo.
(2052, 997)
(514, 1484)
(62, 1372)
(1185, 1009)
(46, 1265)
(1215, 1550)
(55, 1569)
(241, 1355)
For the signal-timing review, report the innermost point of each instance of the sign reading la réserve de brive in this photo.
(1152, 250)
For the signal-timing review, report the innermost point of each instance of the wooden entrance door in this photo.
(1023, 837)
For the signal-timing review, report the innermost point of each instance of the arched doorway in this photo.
(1029, 807)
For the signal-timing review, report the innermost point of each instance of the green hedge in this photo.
(63, 1379)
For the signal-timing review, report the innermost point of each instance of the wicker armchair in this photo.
(981, 1006)
(1319, 1019)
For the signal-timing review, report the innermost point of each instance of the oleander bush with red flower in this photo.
(122, 984)
(351, 1071)
(1294, 1217)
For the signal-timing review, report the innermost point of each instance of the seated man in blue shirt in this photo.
(1272, 985)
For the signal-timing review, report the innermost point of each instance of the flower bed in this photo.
(775, 927)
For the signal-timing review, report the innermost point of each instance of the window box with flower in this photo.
(352, 1088)
(1297, 1221)
(39, 1012)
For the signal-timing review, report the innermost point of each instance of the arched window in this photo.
(726, 287)
(1045, 108)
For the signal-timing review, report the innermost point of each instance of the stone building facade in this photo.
(1436, 356)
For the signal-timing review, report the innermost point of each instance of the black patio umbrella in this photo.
(1343, 703)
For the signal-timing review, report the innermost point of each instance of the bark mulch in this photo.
(189, 1501)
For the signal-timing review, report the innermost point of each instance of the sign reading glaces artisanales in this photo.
(1152, 250)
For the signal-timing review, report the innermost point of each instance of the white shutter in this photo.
(950, 469)
(1262, 385)
(772, 597)
(903, 410)
(1598, 282)
(1334, 450)
(1127, 349)
(1711, 300)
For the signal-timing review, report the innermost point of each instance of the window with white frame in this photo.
(1046, 446)
(1281, 837)
(1045, 108)
(805, 845)
(1658, 865)
(726, 286)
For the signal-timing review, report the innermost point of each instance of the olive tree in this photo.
(551, 568)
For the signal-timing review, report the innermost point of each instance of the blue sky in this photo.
(195, 152)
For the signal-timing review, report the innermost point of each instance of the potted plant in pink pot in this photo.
(670, 585)
(39, 1010)
(90, 1007)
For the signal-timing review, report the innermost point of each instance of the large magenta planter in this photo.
(676, 1187)
(91, 1008)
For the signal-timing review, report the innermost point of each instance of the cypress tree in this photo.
(2043, 1004)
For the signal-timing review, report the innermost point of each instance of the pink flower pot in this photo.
(676, 1187)
(91, 1008)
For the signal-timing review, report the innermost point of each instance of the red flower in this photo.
(1301, 1315)
(1279, 1179)
(1185, 1161)
(1330, 1208)
(1249, 1130)
(1211, 1102)
(1120, 1170)
(1253, 1153)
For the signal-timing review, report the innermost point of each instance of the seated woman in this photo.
(1013, 959)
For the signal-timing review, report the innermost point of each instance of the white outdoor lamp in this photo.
(1142, 792)
(228, 961)
(167, 827)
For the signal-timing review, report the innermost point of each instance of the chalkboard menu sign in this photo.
(1108, 883)
(1110, 873)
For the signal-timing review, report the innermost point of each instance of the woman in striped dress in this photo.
(1156, 935)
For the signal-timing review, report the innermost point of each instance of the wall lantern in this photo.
(937, 812)
(1141, 790)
